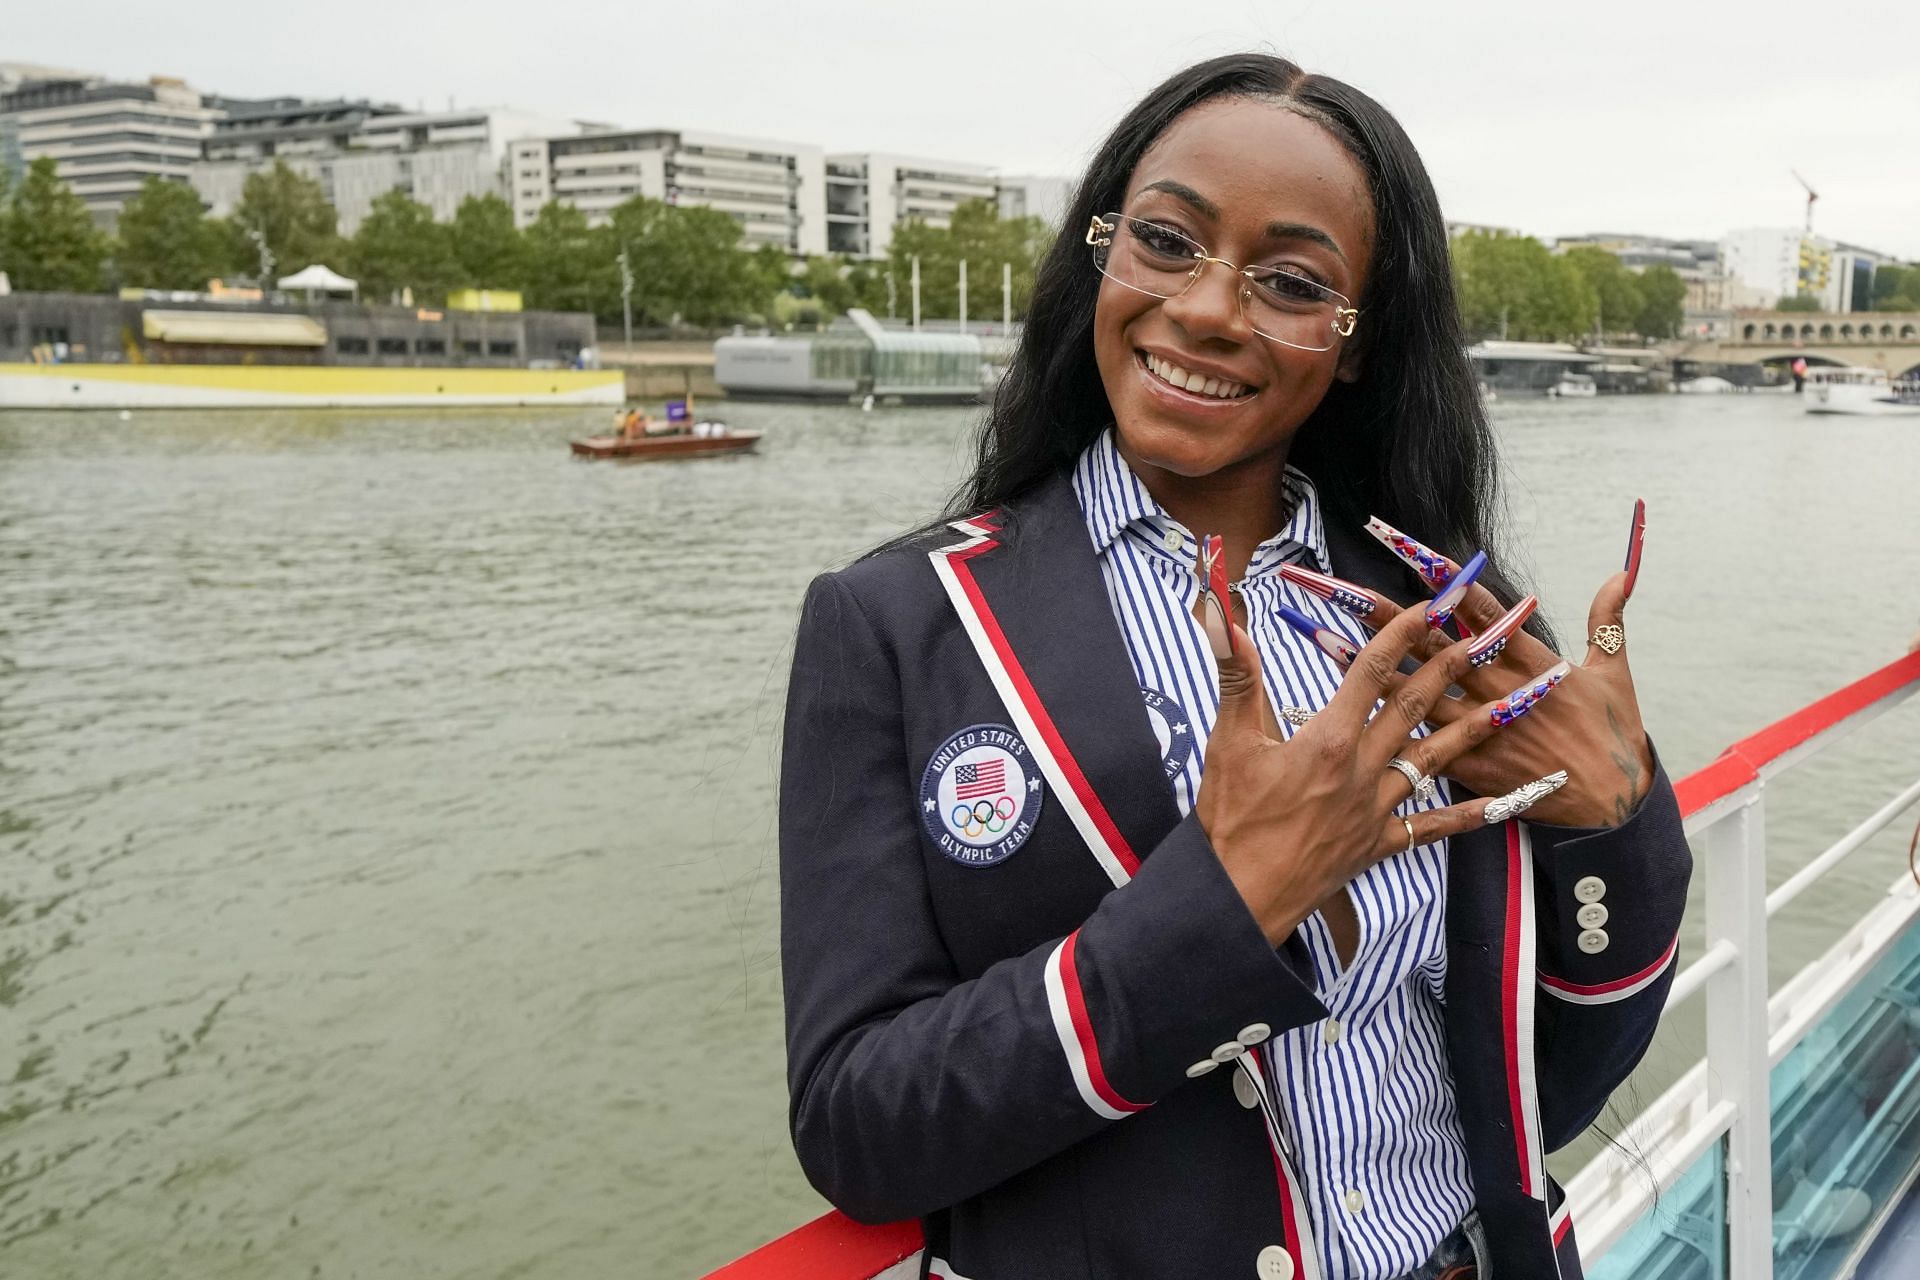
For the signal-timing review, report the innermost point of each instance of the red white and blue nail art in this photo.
(1634, 539)
(1434, 569)
(1522, 700)
(1440, 608)
(1341, 594)
(1331, 642)
(1487, 645)
(1212, 570)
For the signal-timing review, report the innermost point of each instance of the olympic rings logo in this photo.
(983, 817)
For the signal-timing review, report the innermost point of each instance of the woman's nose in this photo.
(1210, 304)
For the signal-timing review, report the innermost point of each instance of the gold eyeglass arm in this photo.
(1099, 233)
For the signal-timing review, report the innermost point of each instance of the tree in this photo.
(400, 246)
(1511, 286)
(572, 264)
(1663, 296)
(1616, 289)
(291, 213)
(687, 263)
(1799, 302)
(980, 237)
(490, 249)
(1896, 288)
(166, 239)
(50, 241)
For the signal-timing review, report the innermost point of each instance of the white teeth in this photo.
(1197, 383)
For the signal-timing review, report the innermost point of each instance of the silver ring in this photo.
(1296, 716)
(1422, 785)
(1408, 824)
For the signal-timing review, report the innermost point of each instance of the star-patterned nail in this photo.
(1331, 642)
(1487, 645)
(1440, 608)
(1341, 594)
(1634, 538)
(1434, 569)
(1523, 699)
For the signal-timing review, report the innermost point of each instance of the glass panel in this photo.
(1846, 1120)
(1683, 1237)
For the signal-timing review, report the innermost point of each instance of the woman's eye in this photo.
(1288, 287)
(1161, 240)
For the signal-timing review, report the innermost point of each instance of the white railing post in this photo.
(1736, 901)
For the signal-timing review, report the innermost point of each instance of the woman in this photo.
(1119, 940)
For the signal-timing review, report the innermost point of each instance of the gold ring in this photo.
(1610, 638)
(1408, 824)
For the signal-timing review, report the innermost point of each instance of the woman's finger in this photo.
(1370, 668)
(1407, 701)
(1606, 623)
(1401, 833)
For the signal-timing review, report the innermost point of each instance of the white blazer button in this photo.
(1255, 1033)
(1594, 941)
(1201, 1068)
(1591, 916)
(1275, 1264)
(1590, 888)
(1227, 1052)
(1243, 1089)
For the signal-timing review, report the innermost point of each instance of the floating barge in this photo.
(856, 357)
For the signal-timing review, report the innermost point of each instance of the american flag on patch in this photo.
(974, 780)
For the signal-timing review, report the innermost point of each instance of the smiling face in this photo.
(1260, 186)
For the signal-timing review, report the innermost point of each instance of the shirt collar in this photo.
(1113, 499)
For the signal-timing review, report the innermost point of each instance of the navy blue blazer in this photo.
(1008, 1038)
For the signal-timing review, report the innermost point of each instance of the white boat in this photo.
(1791, 1150)
(1711, 385)
(1574, 386)
(1863, 391)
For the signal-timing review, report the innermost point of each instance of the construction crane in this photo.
(1812, 195)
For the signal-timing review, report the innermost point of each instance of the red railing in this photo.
(835, 1247)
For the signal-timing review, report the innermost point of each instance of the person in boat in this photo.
(633, 424)
(1149, 908)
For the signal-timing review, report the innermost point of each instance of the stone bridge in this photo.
(1888, 340)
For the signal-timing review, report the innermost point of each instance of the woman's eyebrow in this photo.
(1301, 231)
(1182, 191)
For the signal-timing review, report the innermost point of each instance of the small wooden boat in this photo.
(685, 444)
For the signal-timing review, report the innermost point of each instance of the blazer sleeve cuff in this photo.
(1173, 971)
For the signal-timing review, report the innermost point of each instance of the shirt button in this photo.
(1594, 941)
(1243, 1089)
(1172, 540)
(1590, 889)
(1331, 1031)
(1275, 1264)
(1227, 1052)
(1255, 1033)
(1591, 916)
(1356, 1200)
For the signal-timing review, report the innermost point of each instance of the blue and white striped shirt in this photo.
(1367, 1094)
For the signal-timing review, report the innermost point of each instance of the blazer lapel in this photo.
(1028, 589)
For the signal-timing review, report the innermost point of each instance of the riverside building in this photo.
(775, 190)
(869, 193)
(107, 137)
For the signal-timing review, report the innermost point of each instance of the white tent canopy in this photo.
(320, 279)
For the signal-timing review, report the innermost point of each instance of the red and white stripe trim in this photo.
(1560, 1221)
(1030, 716)
(1611, 992)
(1295, 1224)
(1516, 991)
(1067, 1002)
(938, 1269)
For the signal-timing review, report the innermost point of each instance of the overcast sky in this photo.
(1680, 118)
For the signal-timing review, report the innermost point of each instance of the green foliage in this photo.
(166, 239)
(1802, 302)
(47, 238)
(688, 264)
(1896, 288)
(1663, 297)
(1615, 289)
(980, 237)
(1512, 285)
(491, 251)
(291, 213)
(571, 264)
(400, 246)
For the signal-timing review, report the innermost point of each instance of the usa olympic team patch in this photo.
(980, 796)
(1172, 729)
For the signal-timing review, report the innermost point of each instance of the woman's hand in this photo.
(1293, 821)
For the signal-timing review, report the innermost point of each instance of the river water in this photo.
(387, 881)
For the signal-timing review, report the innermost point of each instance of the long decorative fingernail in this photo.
(1435, 569)
(1487, 645)
(1341, 594)
(1441, 607)
(1521, 799)
(1634, 539)
(1212, 570)
(1522, 700)
(1331, 642)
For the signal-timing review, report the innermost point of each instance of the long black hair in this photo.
(1408, 441)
